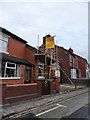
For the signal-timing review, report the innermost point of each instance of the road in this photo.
(75, 107)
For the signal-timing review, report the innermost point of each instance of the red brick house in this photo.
(21, 63)
(17, 68)
(20, 68)
(50, 59)
(82, 65)
(72, 66)
(17, 59)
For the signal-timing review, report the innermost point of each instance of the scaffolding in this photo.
(49, 54)
(52, 54)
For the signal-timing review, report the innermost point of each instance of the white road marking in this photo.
(50, 109)
(61, 105)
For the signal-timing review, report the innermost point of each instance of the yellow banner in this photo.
(50, 42)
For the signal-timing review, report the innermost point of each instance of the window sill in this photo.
(4, 78)
(4, 52)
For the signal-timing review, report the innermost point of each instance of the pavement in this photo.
(69, 87)
(21, 106)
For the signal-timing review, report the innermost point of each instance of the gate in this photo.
(45, 88)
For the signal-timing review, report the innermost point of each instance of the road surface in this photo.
(75, 107)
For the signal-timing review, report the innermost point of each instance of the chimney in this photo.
(70, 50)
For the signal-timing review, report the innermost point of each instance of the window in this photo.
(3, 42)
(73, 73)
(57, 73)
(41, 71)
(10, 69)
(71, 62)
(18, 70)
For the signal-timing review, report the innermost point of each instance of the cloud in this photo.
(67, 20)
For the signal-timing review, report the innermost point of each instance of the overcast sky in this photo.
(67, 20)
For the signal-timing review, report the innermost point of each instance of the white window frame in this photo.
(6, 66)
(12, 64)
(73, 73)
(4, 38)
(14, 68)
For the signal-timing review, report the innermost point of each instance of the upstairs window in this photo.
(71, 61)
(3, 42)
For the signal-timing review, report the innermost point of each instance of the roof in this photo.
(72, 53)
(8, 58)
(12, 35)
(62, 48)
(33, 48)
(81, 58)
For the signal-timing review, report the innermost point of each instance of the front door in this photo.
(27, 74)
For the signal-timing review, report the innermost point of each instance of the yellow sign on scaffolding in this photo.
(50, 42)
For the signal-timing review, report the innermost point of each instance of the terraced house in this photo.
(72, 66)
(17, 66)
(20, 69)
(25, 71)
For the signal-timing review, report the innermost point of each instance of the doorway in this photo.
(28, 71)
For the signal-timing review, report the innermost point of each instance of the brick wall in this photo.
(29, 55)
(20, 92)
(63, 57)
(14, 93)
(16, 48)
(82, 66)
(11, 81)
